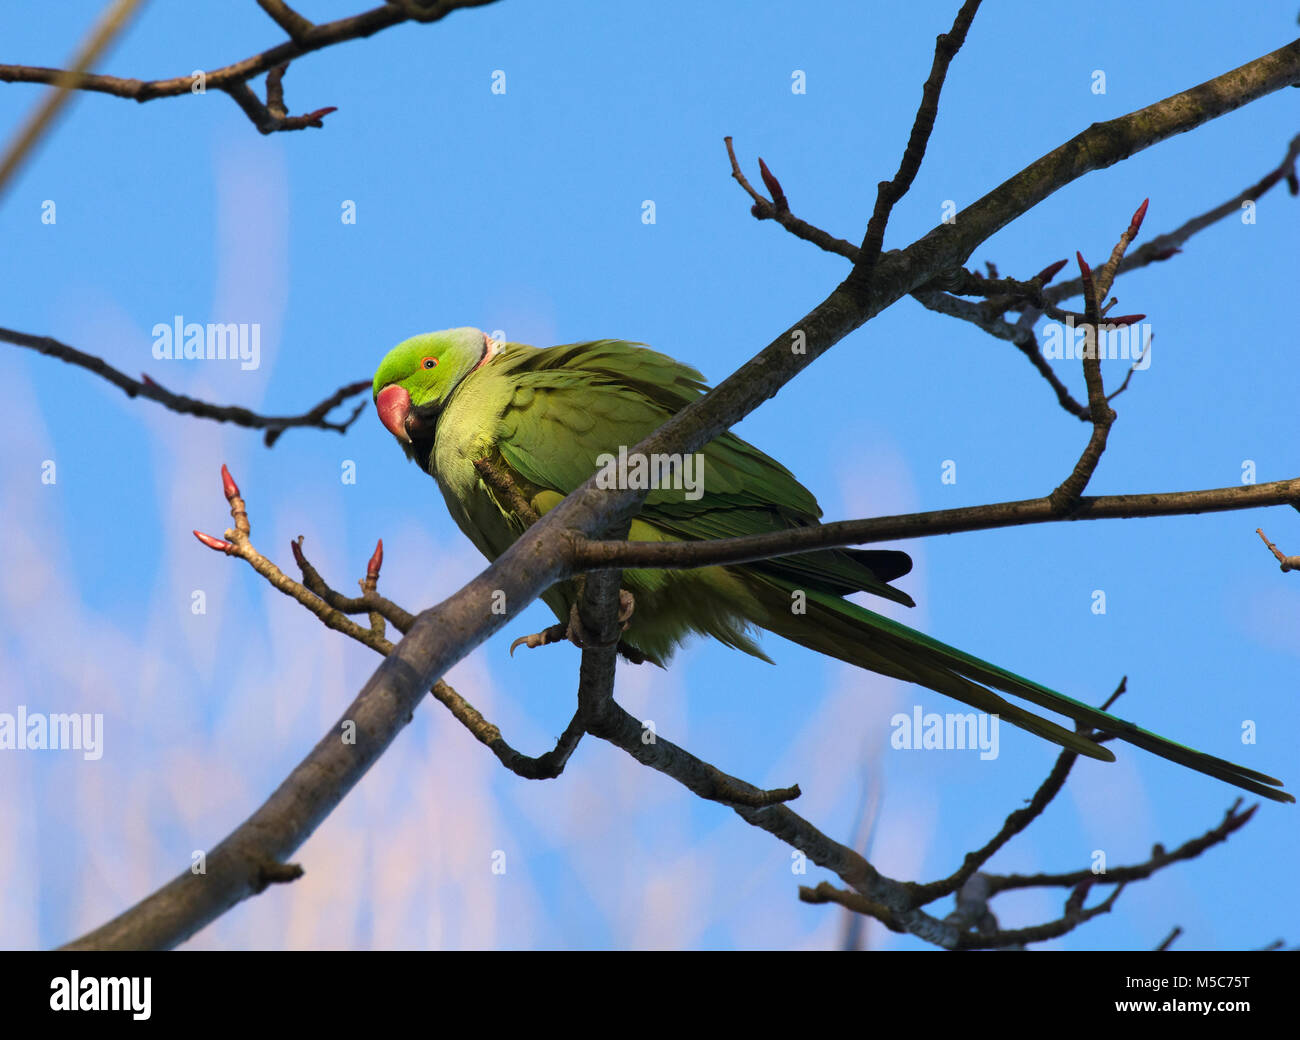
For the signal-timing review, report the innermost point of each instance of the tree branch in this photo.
(1073, 916)
(287, 19)
(1232, 822)
(145, 387)
(233, 78)
(888, 193)
(1288, 563)
(587, 555)
(1017, 821)
(1162, 247)
(1169, 939)
(988, 317)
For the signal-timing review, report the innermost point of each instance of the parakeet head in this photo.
(417, 376)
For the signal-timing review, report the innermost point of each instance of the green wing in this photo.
(574, 403)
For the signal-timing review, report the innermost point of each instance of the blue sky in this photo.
(522, 212)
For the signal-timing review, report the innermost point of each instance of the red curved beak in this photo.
(394, 407)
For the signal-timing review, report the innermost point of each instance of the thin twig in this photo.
(146, 387)
(1288, 563)
(765, 210)
(287, 18)
(1164, 246)
(332, 609)
(888, 193)
(233, 78)
(1169, 939)
(1066, 496)
(1074, 915)
(586, 554)
(825, 892)
(1016, 822)
(1232, 822)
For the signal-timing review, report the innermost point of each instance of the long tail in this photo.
(858, 636)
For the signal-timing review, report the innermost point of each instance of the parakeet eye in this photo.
(429, 362)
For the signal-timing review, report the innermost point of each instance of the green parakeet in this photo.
(550, 418)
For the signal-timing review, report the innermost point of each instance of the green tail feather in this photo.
(861, 637)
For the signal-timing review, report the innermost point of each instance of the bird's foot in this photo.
(626, 605)
(554, 634)
(576, 633)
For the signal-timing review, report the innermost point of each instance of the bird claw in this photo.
(575, 632)
(554, 634)
(626, 604)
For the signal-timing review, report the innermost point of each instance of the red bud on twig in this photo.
(144, 378)
(1085, 272)
(376, 561)
(218, 544)
(298, 558)
(1050, 271)
(228, 484)
(773, 185)
(1138, 217)
(1123, 319)
(314, 118)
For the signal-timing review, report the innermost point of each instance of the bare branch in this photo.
(1162, 247)
(274, 425)
(1030, 297)
(1066, 496)
(1015, 823)
(1288, 563)
(1073, 916)
(544, 767)
(1169, 939)
(587, 555)
(825, 892)
(369, 602)
(287, 18)
(764, 210)
(273, 116)
(1232, 822)
(233, 78)
(888, 193)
